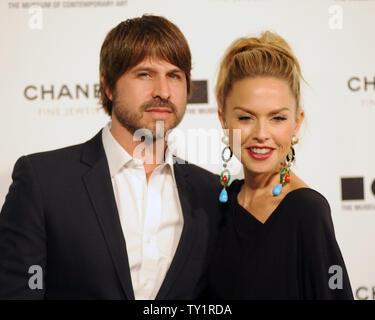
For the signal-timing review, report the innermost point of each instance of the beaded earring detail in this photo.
(225, 174)
(285, 172)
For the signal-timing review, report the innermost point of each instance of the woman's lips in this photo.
(259, 156)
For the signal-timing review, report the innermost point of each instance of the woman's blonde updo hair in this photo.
(269, 55)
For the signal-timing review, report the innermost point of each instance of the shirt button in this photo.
(138, 162)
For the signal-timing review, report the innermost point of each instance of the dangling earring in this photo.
(225, 174)
(285, 172)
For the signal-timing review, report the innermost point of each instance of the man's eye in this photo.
(174, 76)
(143, 74)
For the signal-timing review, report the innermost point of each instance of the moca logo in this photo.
(352, 189)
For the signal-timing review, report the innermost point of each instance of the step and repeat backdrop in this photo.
(49, 61)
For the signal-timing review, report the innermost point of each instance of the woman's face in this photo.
(264, 110)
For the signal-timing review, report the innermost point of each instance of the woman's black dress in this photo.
(293, 255)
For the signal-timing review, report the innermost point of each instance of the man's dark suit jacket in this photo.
(60, 213)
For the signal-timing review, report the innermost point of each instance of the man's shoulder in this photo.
(58, 154)
(62, 157)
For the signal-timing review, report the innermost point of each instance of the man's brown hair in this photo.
(131, 41)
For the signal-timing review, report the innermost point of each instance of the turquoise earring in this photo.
(225, 174)
(285, 172)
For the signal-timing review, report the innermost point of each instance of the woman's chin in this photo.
(257, 168)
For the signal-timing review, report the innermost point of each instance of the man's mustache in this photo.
(159, 103)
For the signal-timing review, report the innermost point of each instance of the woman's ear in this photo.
(299, 120)
(222, 118)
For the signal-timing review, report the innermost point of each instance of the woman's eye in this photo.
(279, 118)
(244, 118)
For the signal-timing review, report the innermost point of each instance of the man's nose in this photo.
(161, 88)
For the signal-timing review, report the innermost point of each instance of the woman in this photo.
(277, 240)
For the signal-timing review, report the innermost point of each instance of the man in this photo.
(106, 219)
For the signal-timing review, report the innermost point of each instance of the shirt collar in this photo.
(118, 157)
(169, 162)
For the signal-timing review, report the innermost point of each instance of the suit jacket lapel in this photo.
(188, 232)
(99, 187)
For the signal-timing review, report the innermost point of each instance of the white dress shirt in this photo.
(150, 215)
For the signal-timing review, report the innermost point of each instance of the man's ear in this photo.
(106, 89)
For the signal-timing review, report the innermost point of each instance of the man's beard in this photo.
(132, 120)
